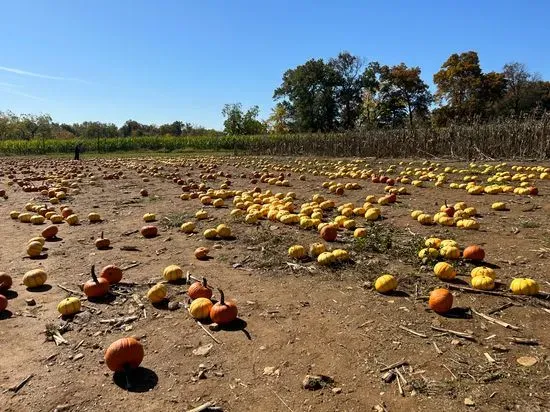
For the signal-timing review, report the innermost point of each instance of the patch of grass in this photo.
(174, 220)
(529, 224)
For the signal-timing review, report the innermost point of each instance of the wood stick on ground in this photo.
(456, 333)
(493, 320)
(73, 292)
(394, 365)
(281, 399)
(450, 371)
(17, 387)
(489, 358)
(202, 407)
(401, 391)
(501, 308)
(133, 265)
(524, 341)
(401, 376)
(79, 344)
(126, 319)
(208, 333)
(437, 349)
(485, 292)
(413, 332)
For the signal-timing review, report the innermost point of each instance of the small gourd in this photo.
(172, 273)
(223, 231)
(200, 308)
(149, 231)
(385, 284)
(112, 273)
(296, 252)
(69, 306)
(102, 243)
(444, 271)
(223, 312)
(483, 283)
(157, 293)
(149, 217)
(483, 271)
(96, 287)
(34, 278)
(199, 290)
(524, 286)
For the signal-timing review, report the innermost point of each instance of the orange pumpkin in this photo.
(96, 287)
(112, 273)
(50, 232)
(201, 253)
(3, 303)
(474, 252)
(441, 300)
(123, 354)
(149, 231)
(223, 312)
(66, 212)
(329, 233)
(5, 281)
(199, 290)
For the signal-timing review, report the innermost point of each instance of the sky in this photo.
(165, 60)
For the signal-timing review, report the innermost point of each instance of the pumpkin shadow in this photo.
(105, 248)
(5, 314)
(458, 313)
(39, 257)
(140, 379)
(162, 305)
(180, 281)
(206, 258)
(235, 326)
(9, 294)
(398, 293)
(108, 298)
(54, 239)
(458, 281)
(41, 288)
(489, 265)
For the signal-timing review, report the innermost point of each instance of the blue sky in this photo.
(165, 60)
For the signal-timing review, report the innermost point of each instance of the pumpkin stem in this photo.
(94, 277)
(102, 235)
(446, 205)
(204, 282)
(222, 297)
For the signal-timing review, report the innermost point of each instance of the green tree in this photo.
(238, 122)
(280, 121)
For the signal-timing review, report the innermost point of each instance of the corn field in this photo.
(510, 138)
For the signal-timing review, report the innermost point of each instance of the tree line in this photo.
(346, 93)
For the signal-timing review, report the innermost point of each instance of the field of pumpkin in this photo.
(270, 284)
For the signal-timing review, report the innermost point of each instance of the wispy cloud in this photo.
(40, 75)
(9, 90)
(4, 84)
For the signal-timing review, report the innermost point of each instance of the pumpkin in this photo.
(187, 227)
(38, 239)
(5, 281)
(474, 252)
(25, 217)
(3, 303)
(201, 253)
(432, 242)
(14, 214)
(157, 293)
(329, 233)
(425, 219)
(112, 273)
(315, 249)
(429, 253)
(441, 300)
(444, 271)
(124, 354)
(34, 249)
(34, 278)
(94, 217)
(372, 214)
(416, 213)
(201, 215)
(149, 231)
(96, 287)
(149, 217)
(199, 290)
(50, 232)
(56, 218)
(37, 219)
(524, 286)
(200, 308)
(325, 258)
(448, 242)
(483, 283)
(483, 271)
(172, 272)
(340, 255)
(223, 231)
(297, 252)
(385, 284)
(360, 232)
(499, 206)
(72, 220)
(223, 312)
(102, 243)
(450, 252)
(69, 306)
(210, 234)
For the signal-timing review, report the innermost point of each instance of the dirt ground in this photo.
(295, 321)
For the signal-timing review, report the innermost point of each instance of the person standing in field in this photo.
(77, 152)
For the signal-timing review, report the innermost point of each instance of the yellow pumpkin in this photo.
(172, 272)
(432, 242)
(325, 258)
(372, 214)
(34, 249)
(34, 278)
(483, 271)
(157, 293)
(385, 284)
(524, 286)
(251, 218)
(72, 219)
(444, 271)
(14, 214)
(499, 206)
(218, 203)
(69, 306)
(340, 255)
(223, 231)
(55, 218)
(416, 213)
(38, 239)
(149, 217)
(187, 227)
(315, 249)
(25, 217)
(296, 252)
(448, 242)
(450, 252)
(360, 232)
(430, 253)
(200, 308)
(201, 215)
(483, 282)
(37, 219)
(425, 219)
(210, 234)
